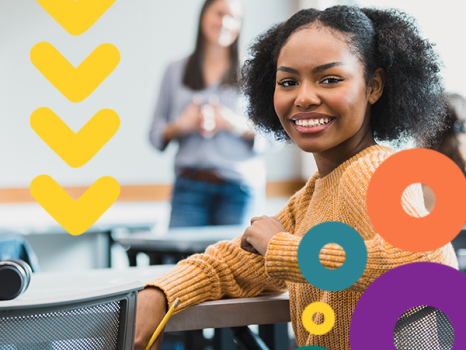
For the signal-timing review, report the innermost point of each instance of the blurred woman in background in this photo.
(454, 143)
(217, 169)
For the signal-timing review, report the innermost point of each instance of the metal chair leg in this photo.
(248, 339)
(275, 335)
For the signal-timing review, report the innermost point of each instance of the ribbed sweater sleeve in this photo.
(223, 270)
(282, 258)
(282, 251)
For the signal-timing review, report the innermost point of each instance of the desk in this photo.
(259, 310)
(177, 242)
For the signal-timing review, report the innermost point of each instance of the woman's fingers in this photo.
(245, 245)
(255, 219)
(257, 236)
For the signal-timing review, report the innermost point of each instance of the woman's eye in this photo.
(287, 83)
(331, 80)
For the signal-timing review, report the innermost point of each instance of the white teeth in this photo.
(312, 122)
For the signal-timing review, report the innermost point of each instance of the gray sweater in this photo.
(231, 156)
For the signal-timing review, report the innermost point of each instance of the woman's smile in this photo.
(308, 123)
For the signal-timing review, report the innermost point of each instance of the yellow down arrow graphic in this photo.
(76, 16)
(76, 217)
(75, 83)
(76, 149)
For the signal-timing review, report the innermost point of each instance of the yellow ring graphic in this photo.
(311, 310)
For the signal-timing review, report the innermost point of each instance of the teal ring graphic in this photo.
(355, 256)
(309, 347)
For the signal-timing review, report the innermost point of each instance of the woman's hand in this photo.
(227, 120)
(223, 118)
(190, 121)
(151, 308)
(256, 238)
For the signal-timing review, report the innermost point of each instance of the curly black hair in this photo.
(412, 104)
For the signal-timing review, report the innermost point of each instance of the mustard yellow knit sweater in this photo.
(225, 270)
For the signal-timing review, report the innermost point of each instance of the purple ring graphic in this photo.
(400, 289)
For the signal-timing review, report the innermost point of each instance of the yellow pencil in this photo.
(163, 323)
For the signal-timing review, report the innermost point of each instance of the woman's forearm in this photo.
(171, 132)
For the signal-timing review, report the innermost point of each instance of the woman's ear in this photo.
(376, 86)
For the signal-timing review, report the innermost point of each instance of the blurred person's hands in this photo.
(151, 308)
(256, 238)
(190, 119)
(224, 117)
(227, 120)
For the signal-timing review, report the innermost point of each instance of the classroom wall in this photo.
(149, 34)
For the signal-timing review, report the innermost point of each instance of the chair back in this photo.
(98, 320)
(425, 328)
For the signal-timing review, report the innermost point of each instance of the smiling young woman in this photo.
(334, 82)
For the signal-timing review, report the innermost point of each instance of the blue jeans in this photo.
(198, 203)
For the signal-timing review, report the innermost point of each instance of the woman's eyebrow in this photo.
(317, 69)
(326, 66)
(288, 70)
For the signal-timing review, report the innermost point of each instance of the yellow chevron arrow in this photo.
(76, 16)
(75, 216)
(75, 83)
(76, 149)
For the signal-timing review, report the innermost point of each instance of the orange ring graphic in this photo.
(389, 218)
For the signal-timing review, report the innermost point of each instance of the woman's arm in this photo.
(223, 270)
(189, 121)
(162, 130)
(162, 111)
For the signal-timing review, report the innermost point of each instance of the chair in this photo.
(103, 319)
(424, 327)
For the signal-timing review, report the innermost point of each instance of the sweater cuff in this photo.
(281, 258)
(332, 256)
(188, 282)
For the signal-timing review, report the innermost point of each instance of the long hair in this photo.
(194, 72)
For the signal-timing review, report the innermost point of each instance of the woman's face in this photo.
(321, 96)
(221, 22)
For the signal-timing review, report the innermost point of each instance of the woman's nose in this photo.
(307, 96)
